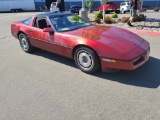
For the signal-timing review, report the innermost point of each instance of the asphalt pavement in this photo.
(46, 86)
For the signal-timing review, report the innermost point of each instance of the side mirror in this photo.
(48, 29)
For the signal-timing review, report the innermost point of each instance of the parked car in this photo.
(75, 9)
(125, 7)
(91, 46)
(53, 7)
(110, 7)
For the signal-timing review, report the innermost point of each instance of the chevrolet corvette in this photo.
(92, 47)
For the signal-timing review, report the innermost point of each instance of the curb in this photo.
(153, 33)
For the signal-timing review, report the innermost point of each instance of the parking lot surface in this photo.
(46, 86)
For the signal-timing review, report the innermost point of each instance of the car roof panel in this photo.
(53, 14)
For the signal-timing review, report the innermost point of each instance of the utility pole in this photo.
(83, 11)
(103, 3)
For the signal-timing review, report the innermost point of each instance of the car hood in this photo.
(117, 38)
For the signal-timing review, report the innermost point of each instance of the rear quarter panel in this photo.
(17, 27)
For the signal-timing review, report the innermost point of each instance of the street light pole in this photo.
(70, 4)
(83, 12)
(103, 3)
(83, 5)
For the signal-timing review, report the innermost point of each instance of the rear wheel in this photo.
(123, 11)
(20, 10)
(87, 60)
(12, 10)
(106, 12)
(117, 12)
(25, 44)
(16, 10)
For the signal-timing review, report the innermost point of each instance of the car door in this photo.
(44, 40)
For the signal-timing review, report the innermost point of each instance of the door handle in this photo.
(31, 30)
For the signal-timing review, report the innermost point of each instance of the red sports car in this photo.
(91, 46)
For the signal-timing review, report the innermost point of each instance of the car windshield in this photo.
(53, 4)
(68, 23)
(109, 2)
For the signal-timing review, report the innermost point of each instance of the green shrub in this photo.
(156, 9)
(142, 17)
(97, 20)
(108, 20)
(98, 15)
(124, 19)
(139, 18)
(77, 19)
(114, 15)
(144, 9)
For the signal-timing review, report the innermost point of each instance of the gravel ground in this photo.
(151, 24)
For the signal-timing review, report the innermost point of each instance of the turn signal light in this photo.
(109, 60)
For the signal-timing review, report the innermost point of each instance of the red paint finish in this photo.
(125, 65)
(107, 41)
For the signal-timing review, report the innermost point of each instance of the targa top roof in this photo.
(49, 14)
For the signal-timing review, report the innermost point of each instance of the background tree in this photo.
(89, 5)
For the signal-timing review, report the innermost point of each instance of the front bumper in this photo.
(125, 65)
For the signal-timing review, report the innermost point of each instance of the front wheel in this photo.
(87, 60)
(106, 12)
(117, 12)
(25, 44)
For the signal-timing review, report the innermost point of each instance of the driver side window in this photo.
(41, 23)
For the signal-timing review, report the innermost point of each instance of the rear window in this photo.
(109, 3)
(123, 4)
(53, 4)
(27, 21)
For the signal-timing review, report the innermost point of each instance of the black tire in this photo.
(25, 44)
(117, 12)
(12, 10)
(16, 10)
(20, 10)
(86, 60)
(106, 12)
